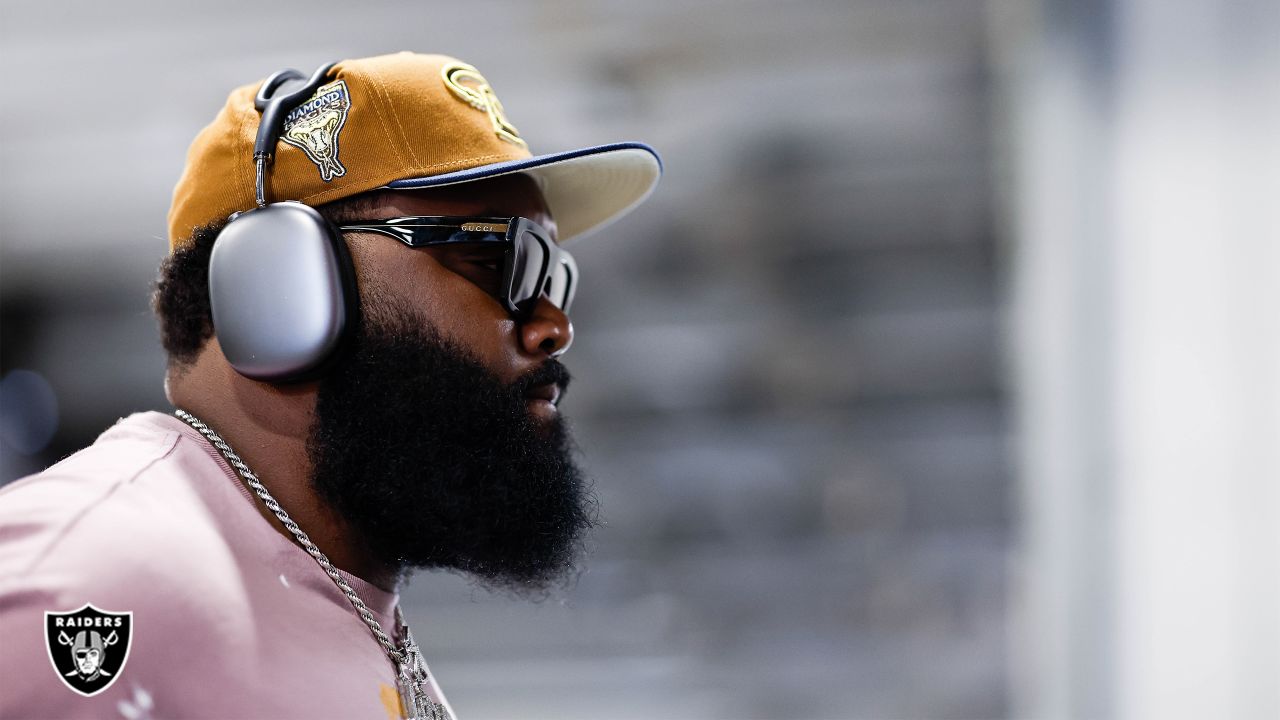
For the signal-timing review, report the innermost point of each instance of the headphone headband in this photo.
(273, 108)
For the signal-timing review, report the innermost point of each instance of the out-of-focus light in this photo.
(28, 411)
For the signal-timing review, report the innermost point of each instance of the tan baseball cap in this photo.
(399, 121)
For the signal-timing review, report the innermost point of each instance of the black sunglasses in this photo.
(532, 264)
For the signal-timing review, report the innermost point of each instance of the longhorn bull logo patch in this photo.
(88, 647)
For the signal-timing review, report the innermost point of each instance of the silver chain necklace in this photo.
(411, 671)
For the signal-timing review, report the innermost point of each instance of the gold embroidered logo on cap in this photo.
(314, 126)
(467, 83)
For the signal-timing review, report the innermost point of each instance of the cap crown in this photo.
(375, 120)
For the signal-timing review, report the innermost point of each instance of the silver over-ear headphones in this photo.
(281, 284)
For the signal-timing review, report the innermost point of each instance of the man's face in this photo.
(438, 438)
(444, 286)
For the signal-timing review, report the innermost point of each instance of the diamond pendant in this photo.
(411, 679)
(415, 702)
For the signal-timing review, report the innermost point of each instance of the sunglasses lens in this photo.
(526, 280)
(560, 291)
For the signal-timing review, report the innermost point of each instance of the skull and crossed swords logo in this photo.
(88, 647)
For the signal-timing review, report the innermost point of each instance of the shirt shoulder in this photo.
(41, 513)
(129, 510)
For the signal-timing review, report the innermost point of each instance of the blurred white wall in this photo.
(1145, 167)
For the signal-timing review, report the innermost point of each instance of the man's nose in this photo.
(547, 331)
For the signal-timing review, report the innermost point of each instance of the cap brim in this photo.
(585, 189)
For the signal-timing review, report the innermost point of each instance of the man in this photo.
(360, 392)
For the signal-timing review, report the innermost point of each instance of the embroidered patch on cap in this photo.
(467, 83)
(314, 126)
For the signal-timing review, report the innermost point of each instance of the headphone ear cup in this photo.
(282, 291)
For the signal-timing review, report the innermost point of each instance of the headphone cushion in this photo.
(281, 292)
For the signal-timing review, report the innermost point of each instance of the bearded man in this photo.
(364, 308)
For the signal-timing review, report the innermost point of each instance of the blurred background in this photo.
(939, 379)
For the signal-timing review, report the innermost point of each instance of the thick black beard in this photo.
(436, 463)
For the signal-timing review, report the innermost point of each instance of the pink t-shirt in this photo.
(230, 618)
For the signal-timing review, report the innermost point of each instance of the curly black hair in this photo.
(181, 296)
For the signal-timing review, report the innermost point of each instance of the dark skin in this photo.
(268, 425)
